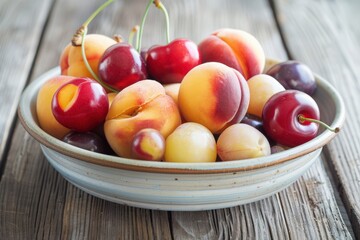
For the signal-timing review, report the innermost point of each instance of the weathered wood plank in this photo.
(334, 55)
(36, 202)
(20, 30)
(306, 210)
(297, 213)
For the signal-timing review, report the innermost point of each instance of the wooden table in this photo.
(38, 203)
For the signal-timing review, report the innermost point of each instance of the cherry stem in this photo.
(161, 6)
(76, 40)
(134, 30)
(81, 34)
(97, 11)
(118, 38)
(139, 36)
(303, 119)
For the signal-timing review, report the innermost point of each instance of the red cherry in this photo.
(148, 144)
(281, 118)
(87, 140)
(81, 104)
(294, 75)
(121, 65)
(170, 63)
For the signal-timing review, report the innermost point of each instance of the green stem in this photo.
(139, 36)
(161, 6)
(303, 119)
(94, 14)
(82, 32)
(133, 32)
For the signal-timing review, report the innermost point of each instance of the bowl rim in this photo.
(30, 125)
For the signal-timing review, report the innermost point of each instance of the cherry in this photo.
(171, 62)
(121, 65)
(148, 144)
(291, 118)
(294, 75)
(277, 148)
(253, 121)
(80, 105)
(79, 40)
(87, 140)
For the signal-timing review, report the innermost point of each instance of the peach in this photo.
(213, 95)
(190, 142)
(242, 141)
(141, 105)
(262, 87)
(172, 89)
(111, 96)
(44, 113)
(235, 48)
(71, 60)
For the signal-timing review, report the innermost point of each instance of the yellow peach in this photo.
(111, 96)
(141, 105)
(172, 89)
(44, 113)
(71, 60)
(213, 95)
(235, 48)
(190, 142)
(261, 87)
(242, 141)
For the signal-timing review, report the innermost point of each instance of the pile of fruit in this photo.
(182, 102)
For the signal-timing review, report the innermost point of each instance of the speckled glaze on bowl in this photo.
(181, 186)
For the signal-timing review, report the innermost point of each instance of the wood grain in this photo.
(305, 210)
(335, 56)
(21, 26)
(37, 203)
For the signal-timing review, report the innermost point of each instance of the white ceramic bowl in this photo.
(181, 186)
